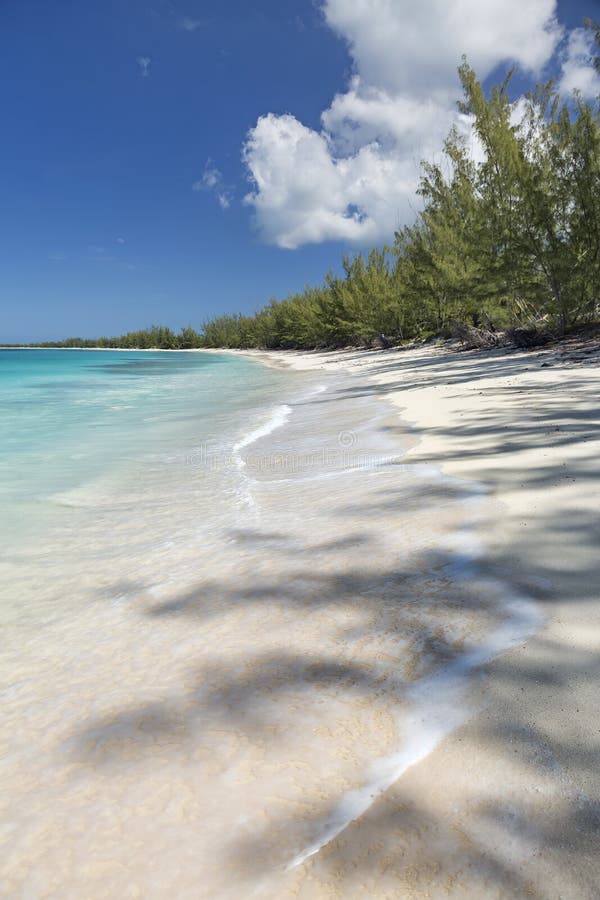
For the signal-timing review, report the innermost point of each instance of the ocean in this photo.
(233, 615)
(98, 447)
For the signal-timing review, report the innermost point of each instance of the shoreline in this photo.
(330, 675)
(118, 349)
(525, 425)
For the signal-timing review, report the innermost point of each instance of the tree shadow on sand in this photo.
(512, 840)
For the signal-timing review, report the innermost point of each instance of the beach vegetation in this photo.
(507, 241)
(157, 337)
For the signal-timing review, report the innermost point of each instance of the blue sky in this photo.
(134, 130)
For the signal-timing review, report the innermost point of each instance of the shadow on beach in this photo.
(440, 827)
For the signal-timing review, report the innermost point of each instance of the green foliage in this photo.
(539, 191)
(155, 338)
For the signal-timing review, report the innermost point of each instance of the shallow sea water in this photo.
(233, 614)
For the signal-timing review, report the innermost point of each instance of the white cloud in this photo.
(212, 181)
(355, 179)
(365, 114)
(305, 195)
(144, 65)
(120, 240)
(578, 72)
(57, 257)
(414, 48)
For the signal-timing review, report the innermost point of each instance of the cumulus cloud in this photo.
(212, 181)
(144, 65)
(414, 48)
(578, 72)
(304, 194)
(355, 178)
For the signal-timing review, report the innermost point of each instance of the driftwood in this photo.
(473, 338)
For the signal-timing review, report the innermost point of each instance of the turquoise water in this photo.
(119, 469)
(67, 418)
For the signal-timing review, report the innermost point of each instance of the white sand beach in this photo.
(509, 804)
(354, 656)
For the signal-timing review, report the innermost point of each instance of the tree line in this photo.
(157, 337)
(507, 238)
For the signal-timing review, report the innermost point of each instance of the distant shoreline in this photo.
(114, 349)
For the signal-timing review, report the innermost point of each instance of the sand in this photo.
(509, 804)
(201, 719)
